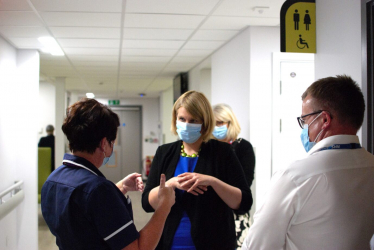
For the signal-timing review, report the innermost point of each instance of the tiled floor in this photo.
(48, 242)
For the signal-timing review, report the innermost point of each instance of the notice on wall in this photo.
(298, 26)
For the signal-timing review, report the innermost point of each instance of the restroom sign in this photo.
(298, 26)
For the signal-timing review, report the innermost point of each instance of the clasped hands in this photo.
(193, 183)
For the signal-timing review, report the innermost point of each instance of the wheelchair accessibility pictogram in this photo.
(301, 43)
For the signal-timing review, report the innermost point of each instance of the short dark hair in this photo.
(87, 122)
(341, 96)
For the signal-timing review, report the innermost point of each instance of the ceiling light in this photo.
(50, 46)
(90, 95)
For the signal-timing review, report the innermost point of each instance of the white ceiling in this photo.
(120, 48)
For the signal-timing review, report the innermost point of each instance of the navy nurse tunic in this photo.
(84, 210)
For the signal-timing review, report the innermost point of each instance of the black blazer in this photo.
(212, 222)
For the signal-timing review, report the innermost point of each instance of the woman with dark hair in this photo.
(82, 208)
(208, 180)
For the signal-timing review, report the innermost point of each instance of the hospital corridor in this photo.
(186, 124)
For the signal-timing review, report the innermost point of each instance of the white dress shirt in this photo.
(324, 201)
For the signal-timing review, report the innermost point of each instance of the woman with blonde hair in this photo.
(207, 177)
(227, 130)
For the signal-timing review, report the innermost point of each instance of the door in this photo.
(295, 78)
(126, 158)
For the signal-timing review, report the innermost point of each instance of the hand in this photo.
(132, 182)
(166, 194)
(194, 183)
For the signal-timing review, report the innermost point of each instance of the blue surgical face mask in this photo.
(188, 132)
(308, 145)
(106, 159)
(220, 132)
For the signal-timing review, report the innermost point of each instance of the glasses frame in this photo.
(301, 121)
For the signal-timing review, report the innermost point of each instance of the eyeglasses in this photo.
(301, 121)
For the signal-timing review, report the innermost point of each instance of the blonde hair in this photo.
(224, 113)
(199, 107)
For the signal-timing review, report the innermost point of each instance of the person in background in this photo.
(49, 142)
(227, 130)
(81, 207)
(208, 180)
(325, 200)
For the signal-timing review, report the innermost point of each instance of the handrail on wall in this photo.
(16, 197)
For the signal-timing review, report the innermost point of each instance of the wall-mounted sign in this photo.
(298, 26)
(113, 102)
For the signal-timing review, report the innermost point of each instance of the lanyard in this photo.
(342, 146)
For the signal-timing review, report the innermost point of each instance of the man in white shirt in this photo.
(326, 200)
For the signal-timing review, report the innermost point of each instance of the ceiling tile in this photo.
(58, 71)
(193, 59)
(245, 8)
(93, 58)
(19, 18)
(91, 51)
(214, 35)
(89, 43)
(78, 6)
(194, 52)
(160, 84)
(237, 23)
(62, 62)
(22, 31)
(146, 66)
(85, 32)
(81, 19)
(148, 52)
(14, 5)
(95, 63)
(196, 7)
(152, 44)
(156, 34)
(162, 21)
(210, 45)
(146, 58)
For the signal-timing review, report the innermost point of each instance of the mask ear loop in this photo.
(318, 136)
(320, 131)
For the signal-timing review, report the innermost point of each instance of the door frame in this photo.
(278, 58)
(140, 109)
(367, 60)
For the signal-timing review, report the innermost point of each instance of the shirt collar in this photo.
(335, 139)
(76, 161)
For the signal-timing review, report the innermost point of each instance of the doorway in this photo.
(126, 158)
(292, 75)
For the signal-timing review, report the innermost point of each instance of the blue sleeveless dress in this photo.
(182, 237)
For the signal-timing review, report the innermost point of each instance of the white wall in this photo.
(46, 107)
(166, 107)
(241, 77)
(200, 78)
(230, 78)
(60, 103)
(19, 90)
(263, 42)
(338, 38)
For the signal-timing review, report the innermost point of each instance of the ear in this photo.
(326, 120)
(102, 144)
